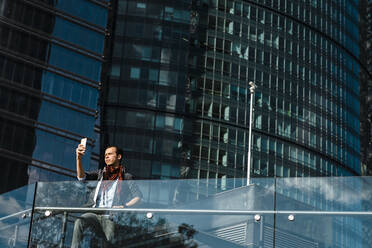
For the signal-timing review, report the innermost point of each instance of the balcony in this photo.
(271, 212)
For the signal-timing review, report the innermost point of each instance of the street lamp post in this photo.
(252, 88)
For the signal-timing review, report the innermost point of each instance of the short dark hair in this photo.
(118, 151)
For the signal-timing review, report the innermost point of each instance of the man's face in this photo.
(111, 157)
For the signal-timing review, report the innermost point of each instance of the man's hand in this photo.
(80, 151)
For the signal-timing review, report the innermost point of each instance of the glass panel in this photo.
(325, 193)
(153, 229)
(66, 119)
(69, 90)
(74, 62)
(323, 230)
(47, 153)
(15, 213)
(310, 212)
(78, 35)
(323, 212)
(190, 213)
(84, 9)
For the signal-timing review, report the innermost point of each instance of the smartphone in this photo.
(84, 142)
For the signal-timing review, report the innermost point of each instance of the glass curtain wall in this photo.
(50, 69)
(303, 58)
(148, 96)
(365, 10)
(178, 93)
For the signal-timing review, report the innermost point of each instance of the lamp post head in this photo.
(253, 86)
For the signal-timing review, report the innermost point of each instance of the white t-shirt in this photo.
(105, 199)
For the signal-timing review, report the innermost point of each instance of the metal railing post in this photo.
(63, 231)
(32, 217)
(252, 88)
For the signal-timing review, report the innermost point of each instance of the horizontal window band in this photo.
(38, 163)
(51, 68)
(55, 40)
(48, 97)
(42, 126)
(67, 16)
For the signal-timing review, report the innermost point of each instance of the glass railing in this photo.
(324, 212)
(15, 216)
(281, 212)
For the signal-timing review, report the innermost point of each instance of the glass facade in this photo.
(148, 96)
(365, 10)
(50, 69)
(177, 97)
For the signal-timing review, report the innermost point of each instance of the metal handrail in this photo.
(54, 211)
(188, 211)
(15, 214)
(201, 211)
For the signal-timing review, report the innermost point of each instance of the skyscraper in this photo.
(50, 69)
(366, 85)
(177, 95)
(175, 91)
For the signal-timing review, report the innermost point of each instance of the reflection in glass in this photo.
(138, 226)
(84, 9)
(15, 213)
(215, 212)
(78, 35)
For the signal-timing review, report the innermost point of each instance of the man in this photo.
(109, 193)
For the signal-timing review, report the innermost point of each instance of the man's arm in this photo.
(133, 201)
(134, 191)
(130, 203)
(80, 151)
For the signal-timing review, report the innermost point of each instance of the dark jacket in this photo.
(129, 189)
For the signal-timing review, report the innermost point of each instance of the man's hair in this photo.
(118, 151)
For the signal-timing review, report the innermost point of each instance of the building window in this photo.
(115, 71)
(135, 73)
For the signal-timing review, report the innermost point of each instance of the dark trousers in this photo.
(98, 226)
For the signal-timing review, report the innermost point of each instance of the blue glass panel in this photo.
(58, 150)
(84, 9)
(78, 35)
(336, 198)
(15, 207)
(66, 119)
(74, 62)
(37, 174)
(69, 90)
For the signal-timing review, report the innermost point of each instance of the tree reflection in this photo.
(132, 230)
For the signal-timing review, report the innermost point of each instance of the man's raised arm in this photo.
(80, 151)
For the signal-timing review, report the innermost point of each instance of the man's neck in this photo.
(115, 166)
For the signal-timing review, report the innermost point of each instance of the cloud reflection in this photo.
(340, 192)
